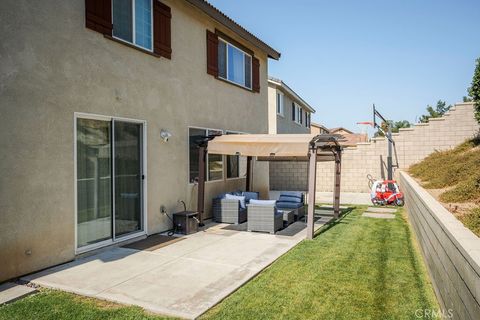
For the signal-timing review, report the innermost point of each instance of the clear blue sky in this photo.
(342, 56)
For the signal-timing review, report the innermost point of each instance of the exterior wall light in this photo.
(165, 135)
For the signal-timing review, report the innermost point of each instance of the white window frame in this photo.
(297, 113)
(226, 173)
(133, 27)
(113, 240)
(226, 65)
(207, 180)
(280, 100)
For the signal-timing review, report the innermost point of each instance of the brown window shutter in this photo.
(162, 38)
(255, 75)
(212, 53)
(98, 16)
(293, 111)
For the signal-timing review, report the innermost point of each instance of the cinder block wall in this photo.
(450, 252)
(411, 146)
(288, 175)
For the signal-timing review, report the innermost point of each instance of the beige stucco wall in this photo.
(282, 124)
(52, 66)
(411, 146)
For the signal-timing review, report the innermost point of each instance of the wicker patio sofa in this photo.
(231, 210)
(263, 216)
(293, 200)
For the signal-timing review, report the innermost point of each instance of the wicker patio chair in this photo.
(228, 211)
(264, 218)
(292, 200)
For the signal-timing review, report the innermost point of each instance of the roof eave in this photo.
(223, 19)
(290, 91)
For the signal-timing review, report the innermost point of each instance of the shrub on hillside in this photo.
(458, 168)
(471, 220)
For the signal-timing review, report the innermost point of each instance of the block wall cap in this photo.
(437, 119)
(421, 124)
(463, 104)
(406, 129)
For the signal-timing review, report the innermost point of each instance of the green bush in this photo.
(474, 90)
(458, 168)
(472, 221)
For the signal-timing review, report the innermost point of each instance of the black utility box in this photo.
(185, 222)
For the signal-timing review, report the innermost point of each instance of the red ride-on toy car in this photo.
(386, 192)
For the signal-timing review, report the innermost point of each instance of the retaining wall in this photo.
(411, 145)
(451, 252)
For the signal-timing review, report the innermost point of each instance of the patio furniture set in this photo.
(260, 215)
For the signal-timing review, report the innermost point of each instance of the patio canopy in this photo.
(275, 147)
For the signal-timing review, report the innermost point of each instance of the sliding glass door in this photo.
(128, 177)
(109, 180)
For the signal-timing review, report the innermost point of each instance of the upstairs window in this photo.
(280, 107)
(234, 65)
(132, 22)
(296, 113)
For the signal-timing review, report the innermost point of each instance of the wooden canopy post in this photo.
(312, 175)
(336, 192)
(249, 173)
(202, 155)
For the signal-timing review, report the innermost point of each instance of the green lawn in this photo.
(361, 268)
(358, 268)
(57, 305)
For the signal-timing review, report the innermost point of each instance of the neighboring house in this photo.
(101, 104)
(287, 111)
(340, 130)
(317, 128)
(349, 138)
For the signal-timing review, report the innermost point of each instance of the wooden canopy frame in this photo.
(291, 147)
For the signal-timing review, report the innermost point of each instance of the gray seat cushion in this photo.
(289, 205)
(284, 198)
(249, 195)
(296, 194)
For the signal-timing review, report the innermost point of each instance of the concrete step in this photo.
(10, 292)
(381, 210)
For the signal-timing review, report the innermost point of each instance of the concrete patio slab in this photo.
(10, 292)
(378, 215)
(381, 210)
(183, 279)
(91, 275)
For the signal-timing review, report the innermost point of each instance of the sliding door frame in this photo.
(144, 216)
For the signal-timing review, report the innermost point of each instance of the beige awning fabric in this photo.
(261, 145)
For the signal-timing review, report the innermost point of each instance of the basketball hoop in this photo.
(369, 123)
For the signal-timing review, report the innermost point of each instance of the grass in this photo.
(457, 171)
(52, 304)
(359, 268)
(356, 268)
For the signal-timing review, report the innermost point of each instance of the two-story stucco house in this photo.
(101, 102)
(287, 111)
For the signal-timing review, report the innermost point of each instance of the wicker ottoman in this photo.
(288, 217)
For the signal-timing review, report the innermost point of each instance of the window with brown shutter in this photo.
(212, 53)
(162, 17)
(119, 21)
(98, 16)
(255, 75)
(293, 111)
